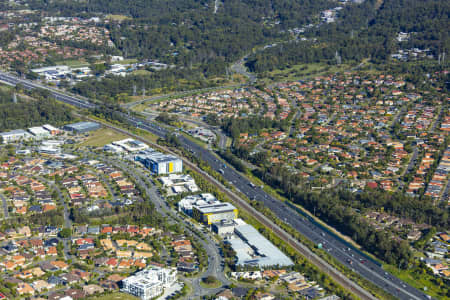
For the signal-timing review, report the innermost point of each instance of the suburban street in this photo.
(214, 267)
(5, 206)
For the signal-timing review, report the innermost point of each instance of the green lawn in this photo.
(126, 61)
(417, 280)
(304, 70)
(117, 17)
(102, 137)
(73, 63)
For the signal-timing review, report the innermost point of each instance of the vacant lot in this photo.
(102, 137)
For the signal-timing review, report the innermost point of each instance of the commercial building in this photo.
(253, 249)
(179, 183)
(224, 227)
(39, 132)
(51, 129)
(160, 163)
(149, 283)
(213, 213)
(15, 135)
(52, 73)
(82, 127)
(187, 203)
(113, 148)
(131, 145)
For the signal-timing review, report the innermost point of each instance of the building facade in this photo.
(149, 283)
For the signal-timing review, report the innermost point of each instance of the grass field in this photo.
(126, 61)
(73, 63)
(141, 73)
(117, 17)
(102, 137)
(303, 71)
(114, 296)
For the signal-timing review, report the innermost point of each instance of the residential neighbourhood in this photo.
(69, 250)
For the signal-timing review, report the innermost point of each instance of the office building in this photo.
(213, 213)
(149, 283)
(39, 132)
(160, 163)
(15, 135)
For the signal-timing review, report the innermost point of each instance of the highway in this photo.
(336, 247)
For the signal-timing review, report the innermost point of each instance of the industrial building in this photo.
(15, 135)
(253, 249)
(149, 283)
(159, 163)
(51, 129)
(214, 213)
(39, 132)
(82, 127)
(52, 73)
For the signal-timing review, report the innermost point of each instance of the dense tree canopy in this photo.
(28, 113)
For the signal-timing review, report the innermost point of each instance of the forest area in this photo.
(364, 31)
(37, 110)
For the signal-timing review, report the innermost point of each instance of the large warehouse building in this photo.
(82, 127)
(253, 249)
(160, 163)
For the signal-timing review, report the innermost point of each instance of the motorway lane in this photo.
(337, 248)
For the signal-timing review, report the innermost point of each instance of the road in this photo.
(130, 105)
(67, 221)
(412, 162)
(5, 206)
(349, 257)
(214, 267)
(220, 136)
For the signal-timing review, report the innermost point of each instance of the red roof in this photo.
(372, 185)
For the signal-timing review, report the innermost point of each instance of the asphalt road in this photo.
(5, 206)
(214, 267)
(336, 247)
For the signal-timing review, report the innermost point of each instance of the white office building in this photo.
(39, 132)
(15, 135)
(179, 183)
(131, 145)
(149, 283)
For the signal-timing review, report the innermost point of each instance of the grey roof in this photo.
(82, 125)
(264, 252)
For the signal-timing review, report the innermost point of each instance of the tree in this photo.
(65, 233)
